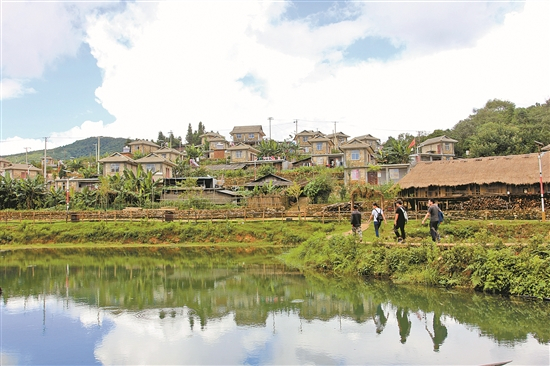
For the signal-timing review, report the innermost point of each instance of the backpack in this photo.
(379, 217)
(405, 215)
(441, 216)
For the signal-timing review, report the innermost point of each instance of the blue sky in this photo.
(72, 70)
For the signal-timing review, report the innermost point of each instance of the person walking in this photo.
(400, 221)
(356, 223)
(433, 214)
(377, 216)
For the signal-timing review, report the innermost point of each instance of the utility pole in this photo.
(270, 119)
(171, 134)
(98, 152)
(27, 159)
(296, 122)
(335, 139)
(44, 163)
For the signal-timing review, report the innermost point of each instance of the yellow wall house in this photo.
(247, 134)
(214, 145)
(241, 153)
(116, 163)
(168, 153)
(321, 150)
(434, 149)
(338, 138)
(358, 156)
(142, 146)
(20, 171)
(302, 139)
(159, 166)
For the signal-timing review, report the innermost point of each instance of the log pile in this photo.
(497, 203)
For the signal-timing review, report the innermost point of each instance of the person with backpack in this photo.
(377, 216)
(400, 221)
(434, 215)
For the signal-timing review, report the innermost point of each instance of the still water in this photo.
(168, 307)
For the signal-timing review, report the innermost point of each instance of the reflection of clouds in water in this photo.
(148, 337)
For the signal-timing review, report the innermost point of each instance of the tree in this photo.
(295, 190)
(269, 148)
(318, 190)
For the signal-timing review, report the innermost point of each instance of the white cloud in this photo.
(169, 64)
(12, 88)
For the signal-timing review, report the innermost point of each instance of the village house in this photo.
(157, 165)
(302, 140)
(251, 135)
(214, 145)
(338, 138)
(434, 149)
(323, 152)
(4, 163)
(358, 162)
(455, 181)
(142, 146)
(370, 140)
(169, 153)
(116, 163)
(76, 184)
(20, 171)
(241, 153)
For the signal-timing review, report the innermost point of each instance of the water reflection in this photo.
(166, 307)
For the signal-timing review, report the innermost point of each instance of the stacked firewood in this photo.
(343, 207)
(496, 203)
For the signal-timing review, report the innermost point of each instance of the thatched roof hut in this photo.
(511, 170)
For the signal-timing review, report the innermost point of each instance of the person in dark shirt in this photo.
(433, 214)
(356, 223)
(399, 222)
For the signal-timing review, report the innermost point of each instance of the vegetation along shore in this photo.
(506, 257)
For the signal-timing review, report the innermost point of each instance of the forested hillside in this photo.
(78, 149)
(500, 129)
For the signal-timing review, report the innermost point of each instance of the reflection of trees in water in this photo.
(252, 292)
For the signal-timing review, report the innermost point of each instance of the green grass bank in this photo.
(508, 257)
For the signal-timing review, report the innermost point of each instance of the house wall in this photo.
(364, 158)
(20, 174)
(325, 148)
(122, 166)
(245, 156)
(247, 137)
(142, 148)
(446, 148)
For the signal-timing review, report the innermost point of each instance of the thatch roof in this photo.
(512, 169)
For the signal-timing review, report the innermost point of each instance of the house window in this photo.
(239, 136)
(238, 154)
(319, 146)
(304, 138)
(320, 161)
(306, 149)
(354, 154)
(447, 146)
(115, 168)
(355, 175)
(251, 136)
(150, 168)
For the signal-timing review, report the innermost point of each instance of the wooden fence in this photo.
(313, 212)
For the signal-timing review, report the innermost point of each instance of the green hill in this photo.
(78, 149)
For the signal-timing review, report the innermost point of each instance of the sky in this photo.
(72, 70)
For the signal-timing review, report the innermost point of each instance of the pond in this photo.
(164, 307)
